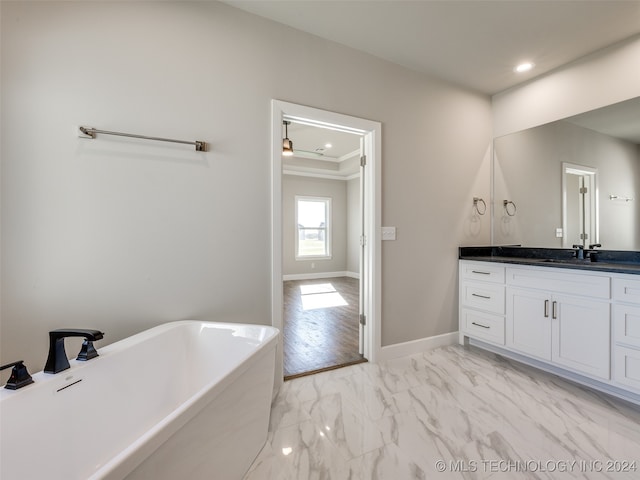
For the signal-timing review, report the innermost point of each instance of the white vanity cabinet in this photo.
(578, 323)
(571, 332)
(626, 331)
(561, 317)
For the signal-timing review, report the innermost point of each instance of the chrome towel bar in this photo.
(91, 133)
(618, 197)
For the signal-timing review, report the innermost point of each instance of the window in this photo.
(313, 231)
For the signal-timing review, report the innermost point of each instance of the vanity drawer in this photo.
(482, 271)
(626, 370)
(560, 280)
(626, 289)
(485, 296)
(484, 326)
(626, 325)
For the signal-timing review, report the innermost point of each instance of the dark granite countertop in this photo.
(615, 261)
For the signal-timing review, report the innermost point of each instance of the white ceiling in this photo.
(311, 142)
(313, 157)
(475, 44)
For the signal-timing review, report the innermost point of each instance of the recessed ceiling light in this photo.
(523, 67)
(327, 145)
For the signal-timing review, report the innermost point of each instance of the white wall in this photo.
(122, 235)
(605, 77)
(336, 190)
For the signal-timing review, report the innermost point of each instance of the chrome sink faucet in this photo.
(57, 360)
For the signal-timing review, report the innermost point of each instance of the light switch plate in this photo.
(558, 233)
(388, 233)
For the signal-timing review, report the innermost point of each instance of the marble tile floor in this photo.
(449, 413)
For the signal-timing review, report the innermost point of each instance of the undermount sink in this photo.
(567, 260)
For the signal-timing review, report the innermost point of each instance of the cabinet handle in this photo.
(554, 311)
(480, 296)
(546, 309)
(481, 273)
(479, 325)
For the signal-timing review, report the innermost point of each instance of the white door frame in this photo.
(372, 132)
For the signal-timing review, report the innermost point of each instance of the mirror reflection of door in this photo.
(580, 205)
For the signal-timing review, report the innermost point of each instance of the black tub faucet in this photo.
(57, 360)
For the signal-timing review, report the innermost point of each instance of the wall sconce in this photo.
(287, 145)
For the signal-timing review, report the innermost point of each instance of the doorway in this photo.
(322, 227)
(325, 285)
(579, 205)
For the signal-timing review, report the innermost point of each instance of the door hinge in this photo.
(584, 236)
(363, 240)
(363, 160)
(363, 319)
(583, 190)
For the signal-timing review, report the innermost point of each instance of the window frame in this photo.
(327, 228)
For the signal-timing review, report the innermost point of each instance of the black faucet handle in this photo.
(594, 245)
(87, 352)
(19, 375)
(578, 246)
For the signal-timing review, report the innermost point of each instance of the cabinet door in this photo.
(627, 367)
(528, 322)
(581, 331)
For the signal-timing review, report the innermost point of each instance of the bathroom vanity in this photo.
(577, 319)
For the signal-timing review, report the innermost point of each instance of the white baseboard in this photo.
(313, 276)
(417, 346)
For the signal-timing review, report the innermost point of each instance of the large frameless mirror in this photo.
(573, 181)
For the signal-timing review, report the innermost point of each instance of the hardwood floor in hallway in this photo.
(320, 325)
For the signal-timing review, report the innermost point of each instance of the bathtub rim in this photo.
(43, 380)
(136, 452)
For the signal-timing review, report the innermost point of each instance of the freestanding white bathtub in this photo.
(186, 399)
